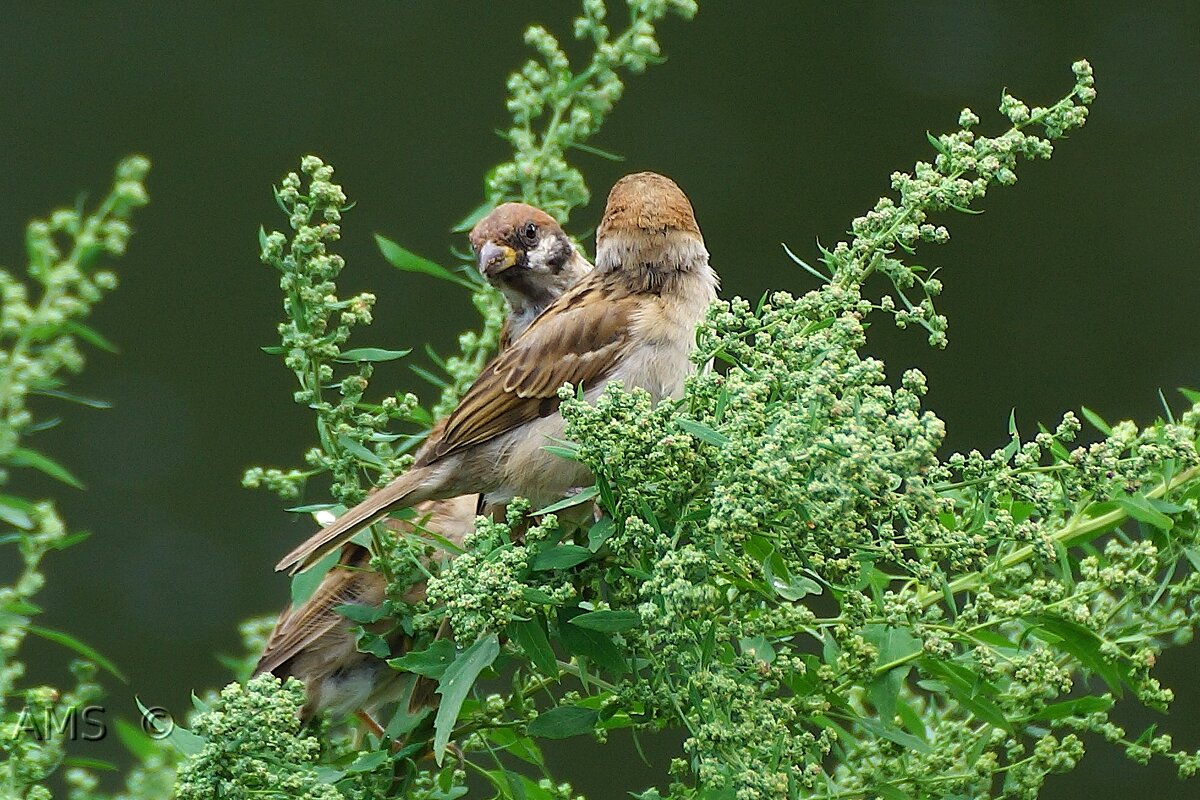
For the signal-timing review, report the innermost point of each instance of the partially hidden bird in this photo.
(524, 252)
(631, 320)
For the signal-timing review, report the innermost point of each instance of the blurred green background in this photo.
(781, 120)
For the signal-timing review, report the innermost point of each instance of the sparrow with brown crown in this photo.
(631, 320)
(522, 251)
(525, 253)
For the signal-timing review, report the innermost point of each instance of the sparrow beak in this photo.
(495, 258)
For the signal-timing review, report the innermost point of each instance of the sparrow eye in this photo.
(529, 234)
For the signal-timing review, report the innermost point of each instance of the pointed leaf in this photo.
(87, 651)
(305, 583)
(179, 737)
(702, 432)
(563, 556)
(607, 620)
(479, 212)
(454, 685)
(531, 638)
(1140, 509)
(1097, 421)
(408, 261)
(358, 451)
(91, 336)
(430, 662)
(563, 722)
(24, 457)
(577, 499)
(371, 354)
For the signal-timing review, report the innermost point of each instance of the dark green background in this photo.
(781, 120)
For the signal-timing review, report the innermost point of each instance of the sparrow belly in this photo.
(365, 683)
(531, 472)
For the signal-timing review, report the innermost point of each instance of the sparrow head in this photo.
(649, 225)
(523, 252)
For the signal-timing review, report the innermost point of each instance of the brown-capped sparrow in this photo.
(525, 253)
(631, 320)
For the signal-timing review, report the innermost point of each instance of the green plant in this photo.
(42, 329)
(785, 570)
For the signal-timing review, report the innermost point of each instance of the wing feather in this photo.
(578, 339)
(298, 628)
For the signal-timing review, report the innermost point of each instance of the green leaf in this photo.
(649, 794)
(894, 734)
(784, 583)
(431, 662)
(179, 737)
(538, 597)
(1097, 421)
(407, 261)
(24, 457)
(893, 645)
(702, 432)
(593, 645)
(71, 643)
(477, 213)
(91, 336)
(969, 690)
(937, 144)
(531, 638)
(607, 620)
(312, 508)
(1072, 708)
(89, 763)
(357, 612)
(1193, 556)
(571, 453)
(577, 499)
(563, 722)
(358, 451)
(516, 744)
(454, 685)
(373, 643)
(305, 583)
(135, 740)
(15, 512)
(58, 394)
(371, 354)
(596, 151)
(757, 647)
(368, 762)
(804, 265)
(600, 533)
(563, 556)
(1140, 509)
(1086, 646)
(888, 792)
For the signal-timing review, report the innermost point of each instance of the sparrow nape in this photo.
(631, 320)
(318, 645)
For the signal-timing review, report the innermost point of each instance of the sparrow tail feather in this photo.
(402, 493)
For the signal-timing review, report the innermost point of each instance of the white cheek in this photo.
(540, 256)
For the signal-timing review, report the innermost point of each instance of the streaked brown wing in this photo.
(578, 339)
(298, 629)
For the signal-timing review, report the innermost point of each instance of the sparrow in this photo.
(631, 320)
(318, 646)
(524, 252)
